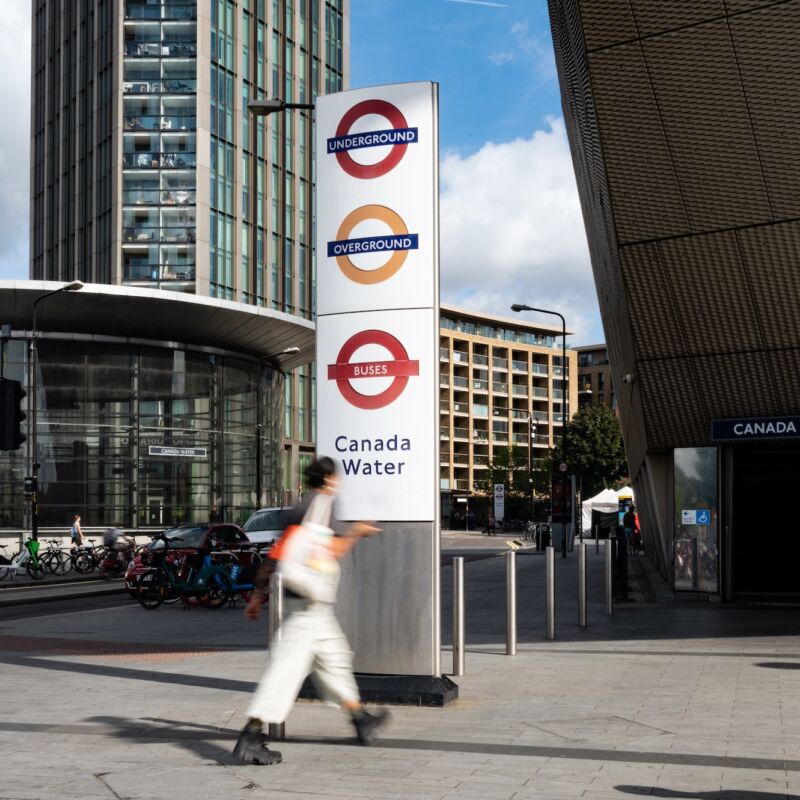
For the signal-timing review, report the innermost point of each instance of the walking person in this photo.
(629, 524)
(75, 532)
(311, 639)
(489, 529)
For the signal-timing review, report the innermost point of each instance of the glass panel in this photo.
(696, 548)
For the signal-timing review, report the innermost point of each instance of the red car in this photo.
(186, 539)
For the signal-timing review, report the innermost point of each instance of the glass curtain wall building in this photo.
(148, 171)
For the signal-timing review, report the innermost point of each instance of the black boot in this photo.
(251, 746)
(367, 725)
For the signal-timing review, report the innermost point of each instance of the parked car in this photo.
(266, 525)
(187, 539)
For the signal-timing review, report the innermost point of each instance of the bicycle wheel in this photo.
(82, 562)
(150, 590)
(219, 590)
(34, 568)
(61, 563)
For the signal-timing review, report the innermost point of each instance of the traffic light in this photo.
(11, 414)
(29, 488)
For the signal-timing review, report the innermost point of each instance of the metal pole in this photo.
(550, 591)
(458, 616)
(582, 584)
(597, 539)
(511, 603)
(609, 575)
(277, 730)
(564, 433)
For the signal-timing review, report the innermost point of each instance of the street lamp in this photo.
(520, 307)
(73, 286)
(531, 436)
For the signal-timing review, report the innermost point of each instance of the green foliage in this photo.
(595, 453)
(509, 467)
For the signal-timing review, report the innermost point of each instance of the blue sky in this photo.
(494, 63)
(512, 229)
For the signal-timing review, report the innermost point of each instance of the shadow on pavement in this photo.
(721, 794)
(778, 665)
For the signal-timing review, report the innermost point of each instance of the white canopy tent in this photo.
(606, 501)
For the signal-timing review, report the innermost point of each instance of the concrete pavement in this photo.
(664, 699)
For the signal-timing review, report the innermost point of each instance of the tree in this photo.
(595, 453)
(509, 467)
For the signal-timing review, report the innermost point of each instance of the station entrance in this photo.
(764, 542)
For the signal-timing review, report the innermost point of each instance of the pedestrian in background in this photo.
(307, 556)
(75, 532)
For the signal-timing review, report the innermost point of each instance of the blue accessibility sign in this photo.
(703, 516)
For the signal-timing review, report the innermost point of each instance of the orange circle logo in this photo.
(398, 243)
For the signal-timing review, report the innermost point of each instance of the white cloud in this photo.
(533, 51)
(15, 70)
(512, 231)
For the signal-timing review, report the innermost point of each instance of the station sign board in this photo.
(378, 298)
(745, 429)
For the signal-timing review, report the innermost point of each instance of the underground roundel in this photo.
(398, 137)
(400, 368)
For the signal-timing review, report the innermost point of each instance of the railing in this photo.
(539, 369)
(480, 385)
(160, 272)
(161, 49)
(462, 383)
(480, 461)
(444, 407)
(500, 411)
(519, 438)
(538, 391)
(444, 354)
(480, 410)
(182, 235)
(167, 86)
(480, 436)
(559, 371)
(541, 439)
(517, 414)
(159, 122)
(500, 388)
(152, 160)
(461, 408)
(461, 459)
(460, 433)
(444, 380)
(444, 432)
(461, 484)
(499, 436)
(519, 366)
(480, 360)
(462, 358)
(520, 390)
(500, 363)
(444, 456)
(541, 416)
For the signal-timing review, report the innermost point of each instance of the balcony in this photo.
(170, 86)
(521, 391)
(480, 385)
(151, 160)
(461, 383)
(461, 408)
(519, 366)
(141, 234)
(461, 485)
(160, 50)
(461, 459)
(539, 369)
(480, 461)
(539, 416)
(460, 357)
(163, 273)
(500, 363)
(479, 410)
(444, 381)
(461, 433)
(482, 361)
(480, 436)
(444, 432)
(500, 388)
(174, 10)
(444, 354)
(500, 437)
(159, 122)
(540, 393)
(518, 414)
(519, 438)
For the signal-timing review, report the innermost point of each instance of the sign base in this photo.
(415, 690)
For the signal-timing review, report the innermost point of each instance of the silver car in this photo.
(266, 525)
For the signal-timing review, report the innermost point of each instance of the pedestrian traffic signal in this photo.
(29, 487)
(11, 414)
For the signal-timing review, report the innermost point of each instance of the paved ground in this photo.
(664, 699)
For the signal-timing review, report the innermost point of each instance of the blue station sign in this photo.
(735, 430)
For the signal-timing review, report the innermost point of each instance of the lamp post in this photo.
(520, 307)
(531, 435)
(73, 286)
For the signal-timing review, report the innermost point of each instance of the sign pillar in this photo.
(377, 252)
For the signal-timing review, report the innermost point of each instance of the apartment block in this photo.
(595, 386)
(501, 380)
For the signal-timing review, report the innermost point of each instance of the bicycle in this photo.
(54, 559)
(26, 559)
(209, 583)
(85, 558)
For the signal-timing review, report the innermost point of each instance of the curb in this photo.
(30, 600)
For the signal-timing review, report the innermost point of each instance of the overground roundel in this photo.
(400, 368)
(399, 137)
(398, 244)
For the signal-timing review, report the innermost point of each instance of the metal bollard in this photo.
(610, 575)
(511, 603)
(597, 539)
(458, 616)
(550, 592)
(277, 730)
(582, 585)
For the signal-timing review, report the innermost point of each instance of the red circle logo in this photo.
(362, 109)
(400, 368)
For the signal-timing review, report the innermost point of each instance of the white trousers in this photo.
(311, 641)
